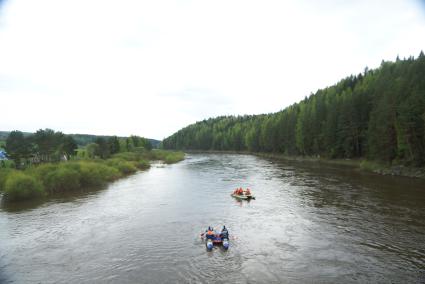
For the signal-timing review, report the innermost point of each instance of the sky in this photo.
(149, 68)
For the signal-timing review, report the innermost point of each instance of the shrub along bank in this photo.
(46, 179)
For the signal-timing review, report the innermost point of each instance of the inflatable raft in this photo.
(217, 239)
(243, 196)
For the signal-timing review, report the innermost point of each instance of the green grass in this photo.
(62, 179)
(169, 157)
(142, 164)
(371, 166)
(128, 156)
(125, 167)
(94, 174)
(21, 186)
(7, 164)
(4, 173)
(50, 178)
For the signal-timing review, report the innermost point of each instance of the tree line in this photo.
(105, 147)
(47, 145)
(378, 114)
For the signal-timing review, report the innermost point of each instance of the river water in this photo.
(309, 223)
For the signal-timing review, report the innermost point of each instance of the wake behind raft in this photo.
(216, 238)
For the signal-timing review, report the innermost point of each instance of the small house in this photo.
(3, 155)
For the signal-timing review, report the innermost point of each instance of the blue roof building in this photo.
(3, 155)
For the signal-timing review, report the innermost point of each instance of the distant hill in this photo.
(5, 134)
(81, 139)
(84, 139)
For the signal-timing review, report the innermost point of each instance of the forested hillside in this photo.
(378, 115)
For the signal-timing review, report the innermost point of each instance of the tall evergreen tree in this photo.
(18, 147)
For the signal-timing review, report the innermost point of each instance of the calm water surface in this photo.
(309, 223)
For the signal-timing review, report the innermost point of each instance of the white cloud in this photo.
(152, 67)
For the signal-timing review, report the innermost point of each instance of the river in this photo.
(309, 223)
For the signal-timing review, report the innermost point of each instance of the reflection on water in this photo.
(54, 198)
(309, 223)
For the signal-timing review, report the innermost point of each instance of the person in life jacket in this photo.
(247, 192)
(210, 233)
(224, 233)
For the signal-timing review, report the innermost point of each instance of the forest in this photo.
(378, 115)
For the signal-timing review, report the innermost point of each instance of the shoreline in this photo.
(356, 164)
(49, 179)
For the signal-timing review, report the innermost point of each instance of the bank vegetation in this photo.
(50, 163)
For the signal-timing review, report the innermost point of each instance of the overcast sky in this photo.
(152, 67)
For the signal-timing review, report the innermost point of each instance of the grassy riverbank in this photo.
(355, 164)
(359, 164)
(46, 179)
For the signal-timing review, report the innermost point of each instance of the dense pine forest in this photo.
(378, 115)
